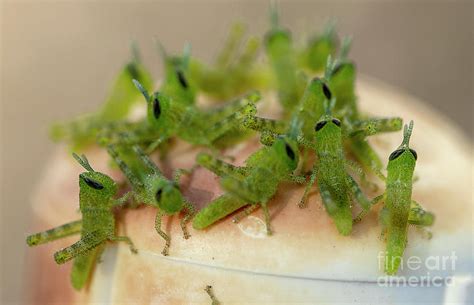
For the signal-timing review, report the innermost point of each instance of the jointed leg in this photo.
(228, 123)
(231, 46)
(219, 167)
(151, 147)
(377, 125)
(266, 214)
(263, 124)
(358, 194)
(237, 106)
(297, 179)
(113, 152)
(165, 236)
(190, 211)
(122, 200)
(421, 218)
(364, 212)
(267, 138)
(125, 239)
(246, 212)
(67, 229)
(182, 171)
(211, 295)
(86, 243)
(302, 203)
(366, 155)
(360, 172)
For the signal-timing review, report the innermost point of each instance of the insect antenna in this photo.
(295, 129)
(330, 28)
(407, 130)
(142, 90)
(83, 162)
(186, 55)
(161, 50)
(136, 58)
(329, 105)
(345, 48)
(274, 14)
(330, 66)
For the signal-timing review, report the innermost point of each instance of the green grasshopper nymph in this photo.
(314, 55)
(236, 69)
(96, 227)
(151, 187)
(254, 184)
(168, 119)
(399, 209)
(280, 52)
(83, 130)
(176, 82)
(336, 186)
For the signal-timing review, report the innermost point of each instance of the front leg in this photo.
(372, 203)
(363, 177)
(219, 167)
(218, 129)
(296, 179)
(124, 239)
(314, 173)
(165, 236)
(190, 211)
(366, 156)
(122, 200)
(151, 147)
(358, 194)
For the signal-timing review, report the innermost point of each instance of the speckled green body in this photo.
(397, 203)
(332, 176)
(96, 203)
(281, 56)
(151, 187)
(256, 183)
(315, 54)
(146, 179)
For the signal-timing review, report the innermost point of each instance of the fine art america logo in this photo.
(432, 264)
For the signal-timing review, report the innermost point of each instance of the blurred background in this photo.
(59, 57)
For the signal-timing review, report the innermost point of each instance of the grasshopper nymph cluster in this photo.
(319, 138)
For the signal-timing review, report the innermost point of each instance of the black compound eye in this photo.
(326, 91)
(182, 79)
(289, 152)
(396, 154)
(413, 152)
(320, 125)
(93, 184)
(158, 195)
(156, 108)
(336, 122)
